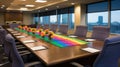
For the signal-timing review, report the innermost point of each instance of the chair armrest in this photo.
(76, 64)
(25, 52)
(33, 64)
(3, 64)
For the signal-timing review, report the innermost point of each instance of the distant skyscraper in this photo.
(100, 20)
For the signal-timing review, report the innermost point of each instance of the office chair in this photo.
(81, 31)
(54, 27)
(32, 25)
(46, 26)
(63, 29)
(14, 25)
(22, 50)
(110, 54)
(39, 26)
(100, 32)
(12, 53)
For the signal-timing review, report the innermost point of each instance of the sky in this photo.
(115, 16)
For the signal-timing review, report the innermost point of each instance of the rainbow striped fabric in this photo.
(60, 40)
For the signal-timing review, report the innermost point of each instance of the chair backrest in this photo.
(32, 25)
(54, 27)
(81, 31)
(100, 32)
(63, 29)
(14, 25)
(39, 26)
(46, 26)
(3, 33)
(11, 52)
(110, 53)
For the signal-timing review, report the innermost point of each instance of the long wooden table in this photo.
(54, 55)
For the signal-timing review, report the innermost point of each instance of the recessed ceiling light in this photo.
(46, 9)
(65, 0)
(22, 0)
(73, 3)
(57, 6)
(3, 5)
(23, 8)
(41, 1)
(29, 5)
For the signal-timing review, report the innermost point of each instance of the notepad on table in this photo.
(72, 36)
(91, 50)
(58, 33)
(10, 29)
(29, 41)
(14, 32)
(20, 36)
(89, 39)
(39, 48)
(17, 34)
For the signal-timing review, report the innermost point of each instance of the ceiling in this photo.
(49, 5)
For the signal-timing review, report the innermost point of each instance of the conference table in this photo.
(53, 54)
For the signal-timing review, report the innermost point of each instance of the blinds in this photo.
(97, 7)
(115, 5)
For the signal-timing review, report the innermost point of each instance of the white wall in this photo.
(27, 18)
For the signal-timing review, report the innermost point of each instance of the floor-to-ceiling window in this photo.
(66, 16)
(115, 16)
(97, 15)
(63, 16)
(41, 20)
(71, 18)
(46, 19)
(36, 18)
(59, 16)
(53, 19)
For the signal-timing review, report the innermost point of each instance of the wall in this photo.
(80, 16)
(1, 18)
(27, 18)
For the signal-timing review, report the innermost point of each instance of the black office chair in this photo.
(32, 25)
(81, 31)
(54, 27)
(110, 54)
(22, 51)
(13, 55)
(14, 25)
(63, 29)
(46, 26)
(39, 26)
(100, 32)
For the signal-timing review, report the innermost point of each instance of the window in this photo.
(97, 19)
(36, 20)
(41, 20)
(115, 16)
(53, 19)
(46, 19)
(97, 15)
(71, 21)
(63, 18)
(59, 16)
